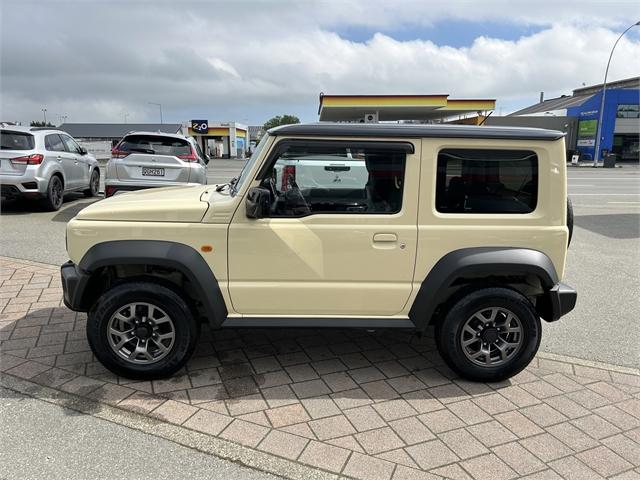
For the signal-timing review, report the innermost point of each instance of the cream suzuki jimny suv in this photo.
(399, 226)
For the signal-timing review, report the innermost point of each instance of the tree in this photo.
(37, 123)
(280, 120)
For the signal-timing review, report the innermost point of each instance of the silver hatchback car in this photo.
(152, 159)
(44, 163)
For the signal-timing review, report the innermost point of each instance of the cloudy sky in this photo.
(97, 60)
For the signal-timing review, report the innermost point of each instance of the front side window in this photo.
(71, 144)
(486, 181)
(336, 177)
(53, 143)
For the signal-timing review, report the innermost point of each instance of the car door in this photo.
(329, 247)
(57, 151)
(80, 166)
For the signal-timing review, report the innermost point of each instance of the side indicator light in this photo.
(206, 248)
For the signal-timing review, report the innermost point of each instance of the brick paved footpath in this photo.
(346, 403)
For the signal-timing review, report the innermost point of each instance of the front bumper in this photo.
(74, 283)
(558, 301)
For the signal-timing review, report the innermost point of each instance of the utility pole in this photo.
(44, 113)
(596, 153)
(125, 117)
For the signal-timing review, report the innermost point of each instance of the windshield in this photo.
(250, 163)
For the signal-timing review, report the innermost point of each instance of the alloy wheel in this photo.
(141, 333)
(491, 336)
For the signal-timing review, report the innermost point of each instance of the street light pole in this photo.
(596, 153)
(160, 106)
(44, 113)
(125, 117)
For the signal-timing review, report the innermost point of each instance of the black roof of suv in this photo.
(413, 130)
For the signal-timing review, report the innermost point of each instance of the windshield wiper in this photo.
(231, 185)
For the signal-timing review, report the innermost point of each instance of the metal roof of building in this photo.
(115, 130)
(412, 130)
(559, 103)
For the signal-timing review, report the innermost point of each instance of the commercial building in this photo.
(578, 115)
(219, 139)
(382, 108)
(113, 132)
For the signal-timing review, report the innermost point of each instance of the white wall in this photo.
(100, 149)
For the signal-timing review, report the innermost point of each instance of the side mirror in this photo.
(82, 150)
(257, 202)
(206, 160)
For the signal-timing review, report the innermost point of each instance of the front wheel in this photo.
(142, 330)
(489, 335)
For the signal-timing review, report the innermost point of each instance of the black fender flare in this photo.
(476, 262)
(178, 256)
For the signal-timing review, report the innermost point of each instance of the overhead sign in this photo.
(200, 126)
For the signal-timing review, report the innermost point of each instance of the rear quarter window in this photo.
(476, 181)
(154, 144)
(16, 141)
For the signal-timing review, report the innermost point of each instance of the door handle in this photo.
(385, 237)
(59, 158)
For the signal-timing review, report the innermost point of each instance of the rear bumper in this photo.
(28, 185)
(74, 282)
(557, 302)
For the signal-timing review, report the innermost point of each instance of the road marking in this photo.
(572, 185)
(605, 194)
(627, 203)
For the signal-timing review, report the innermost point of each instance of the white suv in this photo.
(152, 159)
(44, 163)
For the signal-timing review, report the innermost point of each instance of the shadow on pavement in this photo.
(65, 214)
(27, 206)
(231, 366)
(620, 225)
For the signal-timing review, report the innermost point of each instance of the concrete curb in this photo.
(183, 436)
(589, 363)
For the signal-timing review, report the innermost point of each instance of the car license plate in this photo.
(152, 172)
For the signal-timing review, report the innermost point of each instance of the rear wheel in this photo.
(55, 194)
(94, 184)
(142, 330)
(489, 335)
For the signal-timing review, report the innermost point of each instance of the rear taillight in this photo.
(35, 159)
(109, 190)
(115, 153)
(288, 176)
(192, 157)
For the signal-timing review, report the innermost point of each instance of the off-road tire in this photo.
(448, 334)
(186, 329)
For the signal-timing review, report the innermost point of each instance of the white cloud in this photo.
(93, 61)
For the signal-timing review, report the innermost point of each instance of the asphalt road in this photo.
(603, 261)
(41, 440)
